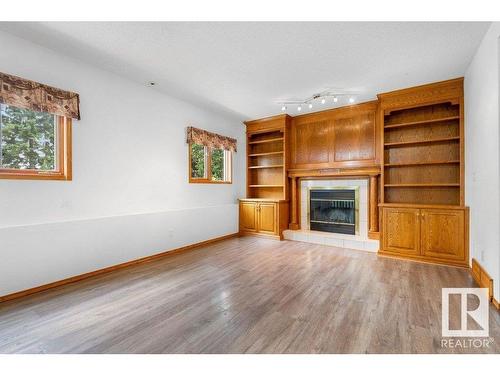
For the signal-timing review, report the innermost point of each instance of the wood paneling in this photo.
(337, 138)
(354, 138)
(313, 143)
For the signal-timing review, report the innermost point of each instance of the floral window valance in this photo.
(27, 94)
(205, 138)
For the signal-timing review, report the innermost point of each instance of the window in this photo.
(209, 165)
(34, 145)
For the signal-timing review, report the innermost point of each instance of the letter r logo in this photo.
(479, 314)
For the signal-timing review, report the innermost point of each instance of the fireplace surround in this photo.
(360, 240)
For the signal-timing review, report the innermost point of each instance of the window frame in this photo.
(207, 179)
(64, 158)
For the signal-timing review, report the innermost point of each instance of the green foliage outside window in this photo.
(197, 161)
(217, 164)
(27, 139)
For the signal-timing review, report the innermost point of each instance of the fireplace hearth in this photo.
(333, 210)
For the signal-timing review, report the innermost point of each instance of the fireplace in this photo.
(334, 209)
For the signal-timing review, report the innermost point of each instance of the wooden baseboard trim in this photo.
(482, 278)
(374, 235)
(116, 267)
(435, 262)
(495, 303)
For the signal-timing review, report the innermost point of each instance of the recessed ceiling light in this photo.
(151, 83)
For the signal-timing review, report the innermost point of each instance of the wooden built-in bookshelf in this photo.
(264, 211)
(266, 161)
(423, 156)
(422, 211)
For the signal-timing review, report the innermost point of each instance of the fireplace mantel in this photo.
(335, 172)
(370, 172)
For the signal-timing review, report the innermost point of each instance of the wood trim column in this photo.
(373, 230)
(293, 206)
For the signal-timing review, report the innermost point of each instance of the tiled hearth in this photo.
(360, 241)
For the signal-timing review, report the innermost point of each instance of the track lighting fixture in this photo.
(322, 97)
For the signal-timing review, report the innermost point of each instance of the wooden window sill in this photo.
(202, 181)
(28, 175)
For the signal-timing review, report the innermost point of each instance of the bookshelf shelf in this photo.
(411, 164)
(266, 153)
(421, 142)
(266, 141)
(265, 166)
(421, 185)
(422, 122)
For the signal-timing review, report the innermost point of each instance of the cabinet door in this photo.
(267, 218)
(401, 230)
(248, 216)
(443, 234)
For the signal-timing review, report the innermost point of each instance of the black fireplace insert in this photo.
(333, 210)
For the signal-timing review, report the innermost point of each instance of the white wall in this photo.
(129, 196)
(482, 159)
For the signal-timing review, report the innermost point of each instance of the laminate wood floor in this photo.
(244, 295)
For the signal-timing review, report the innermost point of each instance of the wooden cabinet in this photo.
(266, 218)
(443, 234)
(263, 217)
(248, 216)
(435, 234)
(402, 227)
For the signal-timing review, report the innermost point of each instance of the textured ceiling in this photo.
(244, 68)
